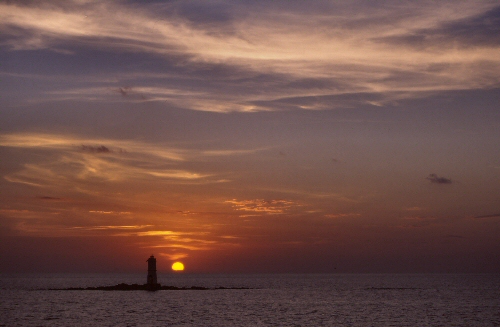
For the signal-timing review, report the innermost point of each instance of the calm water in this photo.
(276, 300)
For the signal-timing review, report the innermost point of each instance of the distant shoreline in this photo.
(145, 287)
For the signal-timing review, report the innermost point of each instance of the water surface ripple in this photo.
(274, 300)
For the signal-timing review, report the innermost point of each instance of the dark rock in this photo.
(146, 287)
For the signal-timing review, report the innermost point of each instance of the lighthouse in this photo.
(152, 282)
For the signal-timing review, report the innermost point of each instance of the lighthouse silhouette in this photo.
(152, 281)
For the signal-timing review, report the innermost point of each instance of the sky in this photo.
(250, 136)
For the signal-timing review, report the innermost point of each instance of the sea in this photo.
(270, 300)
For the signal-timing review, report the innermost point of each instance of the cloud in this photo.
(67, 142)
(256, 56)
(488, 216)
(438, 180)
(62, 165)
(18, 211)
(73, 170)
(124, 91)
(176, 246)
(342, 215)
(419, 221)
(49, 198)
(177, 174)
(413, 209)
(454, 236)
(103, 212)
(95, 149)
(261, 206)
(192, 241)
(161, 233)
(112, 227)
(129, 93)
(482, 29)
(174, 256)
(108, 172)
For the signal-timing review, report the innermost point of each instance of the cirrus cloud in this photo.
(268, 56)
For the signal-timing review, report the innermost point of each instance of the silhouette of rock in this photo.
(145, 287)
(151, 284)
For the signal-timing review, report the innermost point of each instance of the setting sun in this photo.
(178, 266)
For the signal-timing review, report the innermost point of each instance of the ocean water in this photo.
(274, 300)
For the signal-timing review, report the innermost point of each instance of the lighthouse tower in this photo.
(152, 282)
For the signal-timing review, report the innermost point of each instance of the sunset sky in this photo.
(250, 136)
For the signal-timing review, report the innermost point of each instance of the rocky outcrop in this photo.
(145, 287)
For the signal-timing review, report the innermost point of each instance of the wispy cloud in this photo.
(74, 168)
(455, 236)
(164, 233)
(413, 209)
(488, 216)
(174, 240)
(70, 142)
(110, 212)
(342, 215)
(19, 212)
(421, 221)
(261, 206)
(418, 221)
(174, 256)
(481, 29)
(177, 174)
(49, 198)
(175, 246)
(112, 227)
(280, 56)
(68, 164)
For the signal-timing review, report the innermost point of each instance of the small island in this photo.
(145, 287)
(151, 284)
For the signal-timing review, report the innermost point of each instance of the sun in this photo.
(178, 266)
